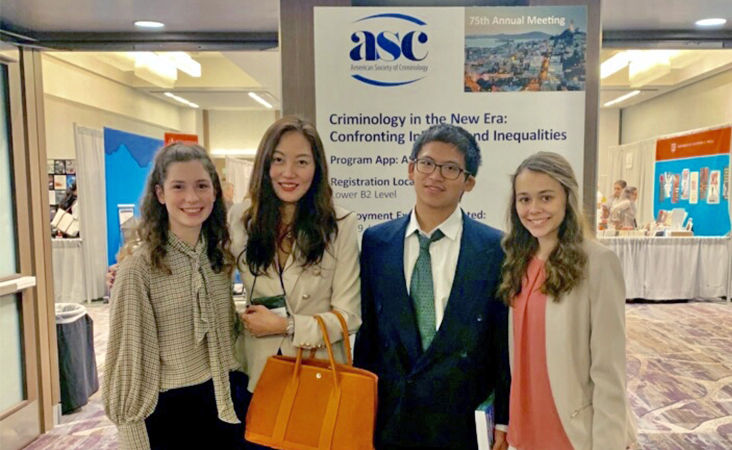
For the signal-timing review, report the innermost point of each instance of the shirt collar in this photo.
(185, 248)
(450, 227)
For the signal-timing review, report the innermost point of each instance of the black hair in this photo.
(455, 135)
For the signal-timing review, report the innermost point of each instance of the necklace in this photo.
(285, 242)
(286, 232)
(286, 239)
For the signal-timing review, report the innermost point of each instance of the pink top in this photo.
(534, 422)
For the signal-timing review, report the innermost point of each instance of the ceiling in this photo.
(180, 16)
(662, 15)
(263, 15)
(674, 71)
(225, 83)
(251, 26)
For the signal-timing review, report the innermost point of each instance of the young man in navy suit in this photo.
(432, 329)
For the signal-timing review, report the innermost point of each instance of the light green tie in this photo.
(422, 291)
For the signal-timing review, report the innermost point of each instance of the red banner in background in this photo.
(709, 142)
(180, 137)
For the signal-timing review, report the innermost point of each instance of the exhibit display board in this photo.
(127, 160)
(61, 176)
(692, 173)
(512, 76)
(185, 138)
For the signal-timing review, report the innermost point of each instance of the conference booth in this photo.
(681, 248)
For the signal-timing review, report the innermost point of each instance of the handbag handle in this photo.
(328, 346)
(346, 338)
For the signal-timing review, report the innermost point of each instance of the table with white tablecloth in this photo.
(68, 270)
(665, 268)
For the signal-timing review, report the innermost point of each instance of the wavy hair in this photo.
(315, 223)
(154, 225)
(566, 264)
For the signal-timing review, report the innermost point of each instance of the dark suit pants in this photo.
(187, 418)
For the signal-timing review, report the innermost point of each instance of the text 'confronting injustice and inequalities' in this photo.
(396, 122)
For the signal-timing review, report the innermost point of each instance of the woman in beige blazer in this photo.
(291, 241)
(567, 321)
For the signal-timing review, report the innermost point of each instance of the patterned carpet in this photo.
(680, 374)
(679, 380)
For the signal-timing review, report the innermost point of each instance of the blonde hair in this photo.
(127, 249)
(566, 264)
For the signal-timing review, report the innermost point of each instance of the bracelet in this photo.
(290, 330)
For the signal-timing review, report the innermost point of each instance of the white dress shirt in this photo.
(444, 255)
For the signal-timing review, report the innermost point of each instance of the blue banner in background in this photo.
(700, 186)
(128, 159)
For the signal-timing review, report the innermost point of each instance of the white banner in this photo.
(512, 76)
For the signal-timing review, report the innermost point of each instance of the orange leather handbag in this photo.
(309, 404)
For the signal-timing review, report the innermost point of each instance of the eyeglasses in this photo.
(449, 171)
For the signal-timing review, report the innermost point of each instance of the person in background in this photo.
(292, 242)
(618, 187)
(623, 212)
(600, 217)
(228, 193)
(433, 331)
(567, 318)
(168, 377)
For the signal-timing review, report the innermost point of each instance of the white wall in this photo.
(237, 129)
(61, 116)
(703, 104)
(608, 126)
(74, 95)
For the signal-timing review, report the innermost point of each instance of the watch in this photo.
(290, 330)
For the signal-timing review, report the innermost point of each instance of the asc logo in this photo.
(389, 57)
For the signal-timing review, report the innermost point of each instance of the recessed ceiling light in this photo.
(622, 98)
(180, 99)
(614, 64)
(184, 63)
(260, 100)
(149, 24)
(711, 22)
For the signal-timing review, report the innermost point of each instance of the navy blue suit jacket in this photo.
(427, 398)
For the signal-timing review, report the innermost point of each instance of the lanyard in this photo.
(282, 283)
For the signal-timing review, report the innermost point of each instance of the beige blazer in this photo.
(585, 351)
(333, 284)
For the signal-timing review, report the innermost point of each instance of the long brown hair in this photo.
(315, 223)
(153, 228)
(566, 264)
